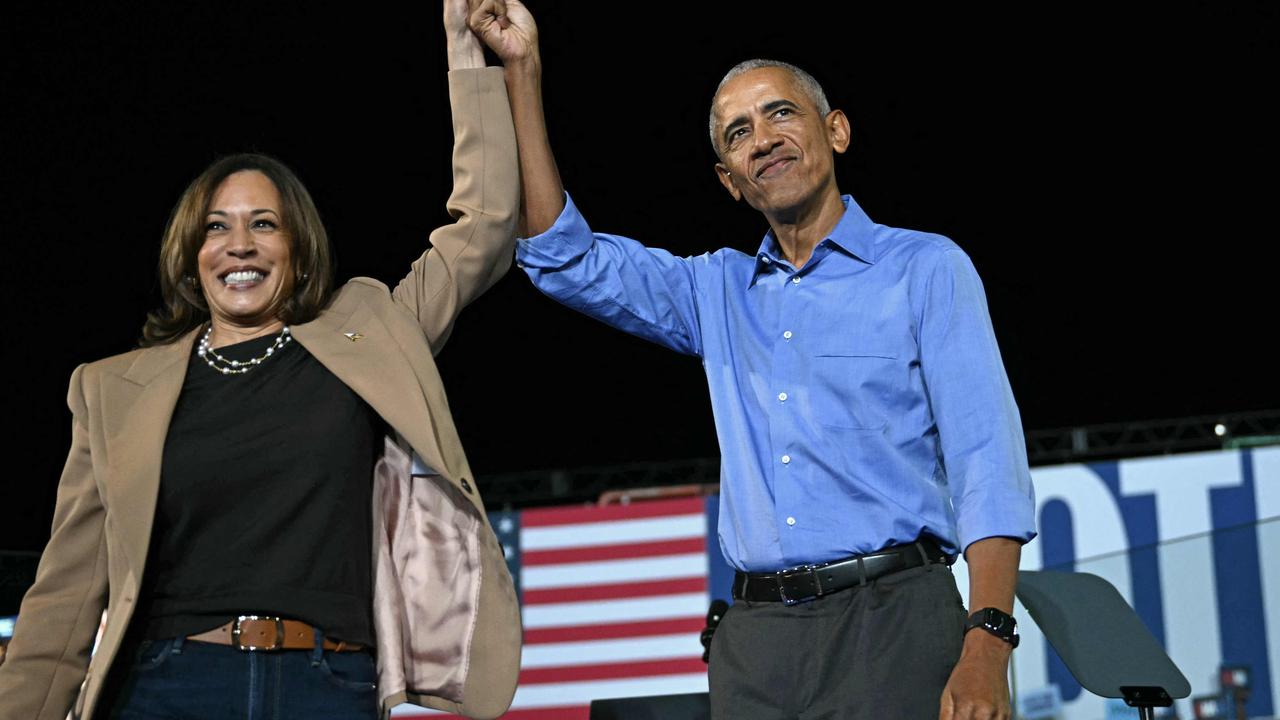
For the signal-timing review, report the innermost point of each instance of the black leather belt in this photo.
(796, 585)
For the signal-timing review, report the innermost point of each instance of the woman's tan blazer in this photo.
(445, 610)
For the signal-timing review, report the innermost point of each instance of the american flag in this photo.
(613, 599)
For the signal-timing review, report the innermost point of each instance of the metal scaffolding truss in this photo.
(559, 487)
(1044, 447)
(1154, 437)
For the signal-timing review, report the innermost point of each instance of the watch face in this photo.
(996, 622)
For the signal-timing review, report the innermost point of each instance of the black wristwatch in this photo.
(997, 622)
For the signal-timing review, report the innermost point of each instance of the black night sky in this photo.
(1113, 177)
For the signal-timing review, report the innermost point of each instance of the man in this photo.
(864, 417)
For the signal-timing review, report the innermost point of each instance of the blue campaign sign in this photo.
(1041, 704)
(1190, 541)
(1117, 710)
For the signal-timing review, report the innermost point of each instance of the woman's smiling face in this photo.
(245, 264)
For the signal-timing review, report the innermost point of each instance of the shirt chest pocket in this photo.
(852, 385)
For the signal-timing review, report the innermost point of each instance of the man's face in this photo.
(775, 148)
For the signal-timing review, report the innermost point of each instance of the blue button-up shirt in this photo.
(859, 401)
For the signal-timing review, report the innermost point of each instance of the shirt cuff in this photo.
(566, 240)
(1012, 516)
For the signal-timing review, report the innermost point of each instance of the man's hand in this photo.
(979, 686)
(463, 48)
(507, 27)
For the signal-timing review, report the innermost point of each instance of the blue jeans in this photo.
(178, 678)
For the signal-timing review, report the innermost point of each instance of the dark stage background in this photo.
(1113, 177)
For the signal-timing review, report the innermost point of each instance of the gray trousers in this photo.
(882, 651)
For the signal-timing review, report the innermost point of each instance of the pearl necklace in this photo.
(238, 367)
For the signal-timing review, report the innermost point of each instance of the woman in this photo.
(239, 456)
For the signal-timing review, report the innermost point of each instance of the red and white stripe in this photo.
(614, 600)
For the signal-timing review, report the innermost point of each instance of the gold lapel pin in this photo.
(353, 336)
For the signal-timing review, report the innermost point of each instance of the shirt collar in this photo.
(854, 234)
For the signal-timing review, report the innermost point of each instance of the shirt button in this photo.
(795, 279)
(787, 335)
(791, 521)
(782, 397)
(786, 459)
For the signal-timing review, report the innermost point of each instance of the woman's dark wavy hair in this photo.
(184, 307)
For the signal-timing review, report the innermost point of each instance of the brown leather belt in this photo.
(265, 632)
(808, 582)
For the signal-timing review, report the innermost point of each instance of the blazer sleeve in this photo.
(59, 617)
(475, 251)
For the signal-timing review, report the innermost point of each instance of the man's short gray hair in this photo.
(804, 79)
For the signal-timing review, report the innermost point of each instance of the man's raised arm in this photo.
(507, 27)
(643, 291)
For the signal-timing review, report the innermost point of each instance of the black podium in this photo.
(1101, 640)
(694, 706)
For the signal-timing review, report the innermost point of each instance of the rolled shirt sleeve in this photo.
(983, 448)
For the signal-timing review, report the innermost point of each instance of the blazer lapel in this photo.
(364, 354)
(137, 407)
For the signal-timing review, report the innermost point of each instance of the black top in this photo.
(265, 500)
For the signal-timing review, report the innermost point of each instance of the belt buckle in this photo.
(235, 633)
(807, 588)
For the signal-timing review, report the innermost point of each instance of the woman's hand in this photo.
(507, 28)
(463, 47)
